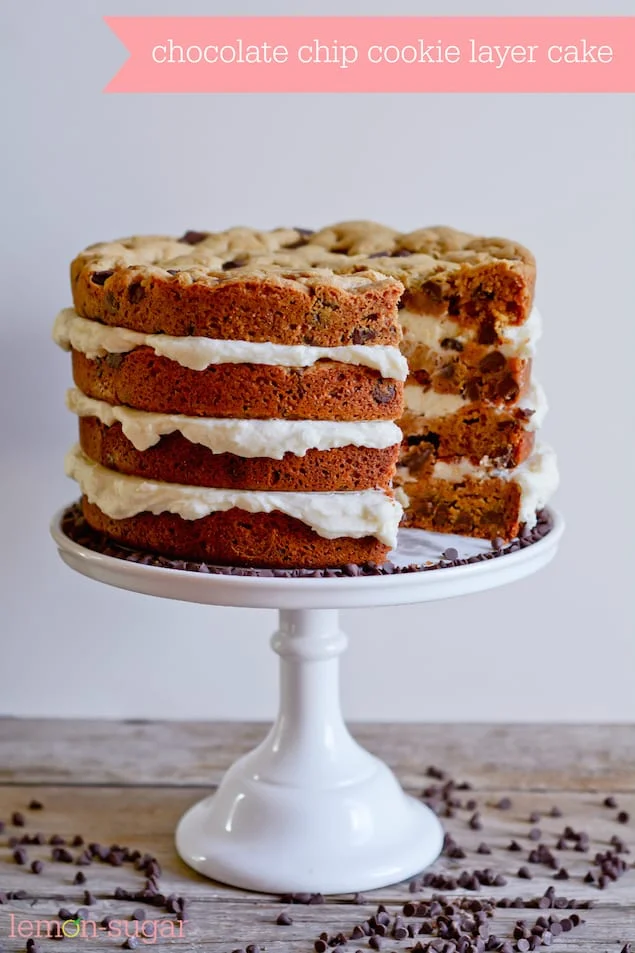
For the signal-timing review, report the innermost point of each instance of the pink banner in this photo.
(375, 54)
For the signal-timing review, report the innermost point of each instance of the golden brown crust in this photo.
(175, 460)
(325, 391)
(236, 538)
(480, 433)
(236, 283)
(483, 508)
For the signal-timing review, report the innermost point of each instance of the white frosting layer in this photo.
(537, 477)
(536, 400)
(519, 341)
(245, 438)
(331, 515)
(429, 403)
(94, 340)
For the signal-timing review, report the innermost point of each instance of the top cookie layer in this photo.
(335, 286)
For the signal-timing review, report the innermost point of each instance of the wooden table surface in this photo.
(128, 783)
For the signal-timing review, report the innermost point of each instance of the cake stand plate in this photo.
(309, 810)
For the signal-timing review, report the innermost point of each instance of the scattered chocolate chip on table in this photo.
(107, 803)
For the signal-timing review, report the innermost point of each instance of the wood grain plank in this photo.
(222, 918)
(223, 928)
(515, 757)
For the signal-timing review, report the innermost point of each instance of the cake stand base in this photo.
(309, 809)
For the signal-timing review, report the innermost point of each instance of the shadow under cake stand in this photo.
(309, 809)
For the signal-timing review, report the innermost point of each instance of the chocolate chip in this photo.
(487, 332)
(100, 277)
(136, 292)
(535, 833)
(534, 817)
(111, 302)
(20, 856)
(562, 874)
(422, 377)
(483, 849)
(37, 866)
(284, 920)
(433, 290)
(451, 344)
(507, 388)
(623, 817)
(90, 900)
(62, 855)
(114, 360)
(514, 846)
(80, 878)
(17, 819)
(555, 812)
(384, 392)
(130, 944)
(524, 873)
(234, 263)
(193, 238)
(494, 361)
(65, 914)
(362, 335)
(475, 821)
(35, 805)
(380, 254)
(451, 553)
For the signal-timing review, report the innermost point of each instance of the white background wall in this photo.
(555, 172)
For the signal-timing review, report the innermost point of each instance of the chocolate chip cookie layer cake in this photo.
(231, 408)
(237, 391)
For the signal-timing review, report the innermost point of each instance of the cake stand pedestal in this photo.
(309, 809)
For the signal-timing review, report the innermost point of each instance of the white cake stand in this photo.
(310, 810)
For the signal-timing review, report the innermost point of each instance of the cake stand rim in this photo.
(306, 592)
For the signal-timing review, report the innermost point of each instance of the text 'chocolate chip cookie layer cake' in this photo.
(274, 398)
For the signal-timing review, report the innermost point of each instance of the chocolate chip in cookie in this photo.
(362, 335)
(100, 277)
(136, 292)
(193, 238)
(383, 392)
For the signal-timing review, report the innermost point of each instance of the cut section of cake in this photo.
(269, 444)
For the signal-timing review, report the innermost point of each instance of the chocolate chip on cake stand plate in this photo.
(310, 810)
